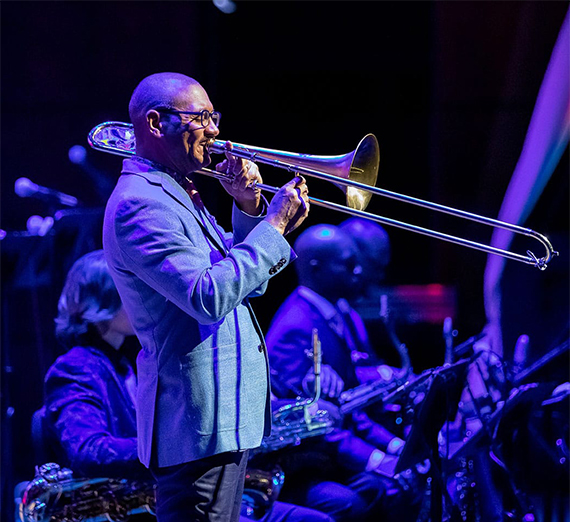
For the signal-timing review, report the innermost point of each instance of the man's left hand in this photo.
(245, 175)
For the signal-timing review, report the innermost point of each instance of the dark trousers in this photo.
(208, 489)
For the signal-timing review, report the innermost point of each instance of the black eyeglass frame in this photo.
(205, 115)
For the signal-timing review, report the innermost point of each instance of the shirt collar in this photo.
(179, 178)
(325, 307)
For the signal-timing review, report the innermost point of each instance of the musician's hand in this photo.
(334, 411)
(395, 446)
(492, 339)
(289, 206)
(331, 383)
(382, 463)
(245, 174)
(383, 372)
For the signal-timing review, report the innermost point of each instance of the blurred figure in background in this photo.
(88, 421)
(374, 254)
(365, 452)
(546, 140)
(372, 303)
(90, 390)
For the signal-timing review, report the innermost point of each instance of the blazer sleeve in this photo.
(172, 257)
(77, 414)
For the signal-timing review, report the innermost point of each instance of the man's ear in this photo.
(153, 122)
(315, 265)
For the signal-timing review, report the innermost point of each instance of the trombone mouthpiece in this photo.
(212, 147)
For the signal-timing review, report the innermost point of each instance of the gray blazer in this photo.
(203, 385)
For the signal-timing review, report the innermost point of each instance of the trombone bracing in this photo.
(355, 173)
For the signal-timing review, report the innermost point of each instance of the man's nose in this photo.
(212, 128)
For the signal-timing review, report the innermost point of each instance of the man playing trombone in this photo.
(202, 396)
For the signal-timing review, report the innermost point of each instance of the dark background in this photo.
(447, 87)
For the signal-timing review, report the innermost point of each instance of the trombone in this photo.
(354, 173)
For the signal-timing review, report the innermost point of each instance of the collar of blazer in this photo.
(174, 190)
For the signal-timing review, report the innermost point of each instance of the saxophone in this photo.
(296, 421)
(55, 496)
(369, 393)
(291, 423)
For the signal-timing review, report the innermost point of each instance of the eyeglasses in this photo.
(205, 115)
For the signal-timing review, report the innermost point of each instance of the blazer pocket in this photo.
(212, 389)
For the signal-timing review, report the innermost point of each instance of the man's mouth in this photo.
(208, 144)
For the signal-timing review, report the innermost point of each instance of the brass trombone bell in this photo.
(359, 167)
(355, 173)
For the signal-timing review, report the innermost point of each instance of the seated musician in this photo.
(374, 252)
(365, 453)
(90, 390)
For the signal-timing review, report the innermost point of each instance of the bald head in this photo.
(176, 139)
(158, 90)
(373, 245)
(327, 261)
(321, 241)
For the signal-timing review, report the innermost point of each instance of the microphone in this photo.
(28, 189)
(39, 226)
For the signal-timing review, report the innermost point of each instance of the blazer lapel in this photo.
(176, 192)
(173, 189)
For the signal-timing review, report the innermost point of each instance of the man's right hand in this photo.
(289, 206)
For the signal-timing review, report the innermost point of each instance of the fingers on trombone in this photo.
(247, 176)
(231, 160)
(302, 191)
(223, 168)
(300, 181)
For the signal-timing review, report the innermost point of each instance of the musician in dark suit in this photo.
(365, 452)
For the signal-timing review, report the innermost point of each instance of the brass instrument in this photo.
(355, 173)
(296, 421)
(261, 491)
(290, 424)
(55, 496)
(368, 394)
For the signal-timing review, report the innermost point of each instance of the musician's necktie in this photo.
(191, 190)
(353, 335)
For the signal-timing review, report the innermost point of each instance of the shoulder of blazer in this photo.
(169, 186)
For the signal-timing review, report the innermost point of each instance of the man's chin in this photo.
(200, 162)
(207, 160)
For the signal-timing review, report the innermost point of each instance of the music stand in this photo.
(440, 404)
